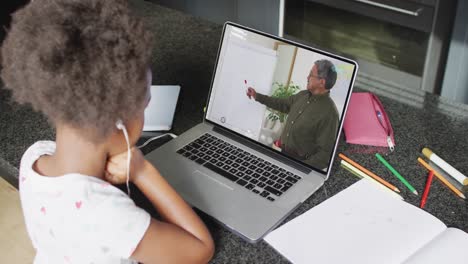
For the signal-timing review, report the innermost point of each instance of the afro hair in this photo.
(80, 62)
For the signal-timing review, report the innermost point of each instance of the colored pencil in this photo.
(396, 173)
(362, 175)
(426, 189)
(442, 179)
(371, 174)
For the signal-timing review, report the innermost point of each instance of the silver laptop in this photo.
(237, 165)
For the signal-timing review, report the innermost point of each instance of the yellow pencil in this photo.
(361, 175)
(369, 173)
(441, 178)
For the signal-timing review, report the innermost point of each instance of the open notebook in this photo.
(362, 224)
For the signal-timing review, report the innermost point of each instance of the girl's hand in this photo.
(116, 167)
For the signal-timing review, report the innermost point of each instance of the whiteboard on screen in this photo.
(242, 65)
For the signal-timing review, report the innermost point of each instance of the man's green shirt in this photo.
(310, 129)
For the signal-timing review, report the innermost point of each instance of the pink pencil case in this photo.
(367, 123)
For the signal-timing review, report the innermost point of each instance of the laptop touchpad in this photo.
(204, 192)
(198, 173)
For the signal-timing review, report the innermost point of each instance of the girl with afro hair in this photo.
(85, 65)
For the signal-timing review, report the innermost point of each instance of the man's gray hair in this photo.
(327, 71)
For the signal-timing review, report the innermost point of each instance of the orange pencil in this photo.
(371, 174)
(441, 178)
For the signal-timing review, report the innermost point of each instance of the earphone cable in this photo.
(154, 138)
(129, 153)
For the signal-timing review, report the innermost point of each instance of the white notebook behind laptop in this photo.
(362, 224)
(159, 113)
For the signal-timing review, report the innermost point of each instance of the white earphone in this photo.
(119, 124)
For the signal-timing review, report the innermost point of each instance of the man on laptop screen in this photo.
(312, 122)
(299, 112)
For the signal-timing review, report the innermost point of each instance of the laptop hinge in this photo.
(263, 150)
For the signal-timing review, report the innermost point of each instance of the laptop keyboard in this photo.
(253, 173)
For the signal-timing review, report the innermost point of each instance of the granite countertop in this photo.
(184, 53)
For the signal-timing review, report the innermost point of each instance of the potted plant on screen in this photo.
(280, 91)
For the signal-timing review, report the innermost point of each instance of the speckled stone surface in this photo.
(185, 53)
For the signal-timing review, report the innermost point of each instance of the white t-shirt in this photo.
(76, 218)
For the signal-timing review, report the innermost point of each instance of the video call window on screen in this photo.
(283, 96)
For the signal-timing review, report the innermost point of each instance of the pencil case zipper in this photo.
(382, 118)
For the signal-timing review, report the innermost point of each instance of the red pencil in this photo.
(426, 189)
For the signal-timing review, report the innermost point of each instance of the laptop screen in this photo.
(286, 96)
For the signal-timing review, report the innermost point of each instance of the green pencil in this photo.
(395, 172)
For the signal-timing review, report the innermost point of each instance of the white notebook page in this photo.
(361, 224)
(449, 247)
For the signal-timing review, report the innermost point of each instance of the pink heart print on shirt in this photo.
(43, 210)
(78, 204)
(23, 178)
